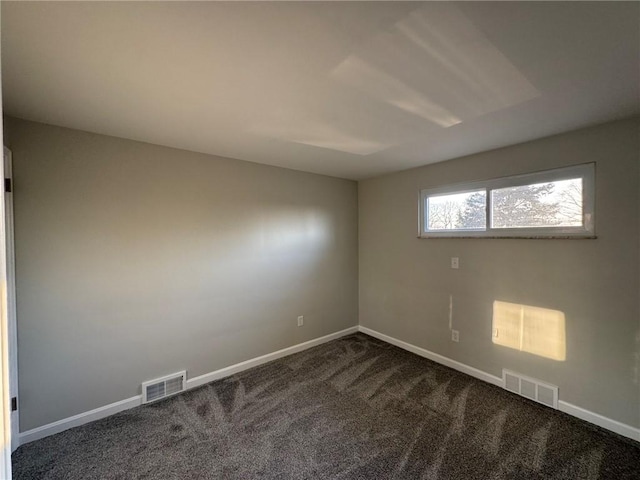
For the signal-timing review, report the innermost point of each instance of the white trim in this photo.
(461, 367)
(573, 410)
(600, 420)
(5, 413)
(79, 419)
(585, 171)
(12, 324)
(254, 362)
(107, 410)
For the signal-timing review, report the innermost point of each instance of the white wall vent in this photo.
(530, 388)
(163, 387)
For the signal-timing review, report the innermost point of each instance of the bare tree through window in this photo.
(557, 203)
(524, 206)
(446, 212)
(571, 203)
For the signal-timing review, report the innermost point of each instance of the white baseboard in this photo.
(461, 367)
(107, 410)
(80, 419)
(254, 362)
(600, 420)
(573, 410)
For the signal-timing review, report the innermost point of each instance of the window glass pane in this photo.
(551, 204)
(459, 211)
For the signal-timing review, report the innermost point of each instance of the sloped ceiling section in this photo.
(348, 89)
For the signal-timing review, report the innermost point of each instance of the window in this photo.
(554, 203)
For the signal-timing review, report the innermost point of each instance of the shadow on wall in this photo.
(540, 331)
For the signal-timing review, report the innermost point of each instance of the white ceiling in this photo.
(348, 89)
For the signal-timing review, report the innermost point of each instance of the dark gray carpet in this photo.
(354, 408)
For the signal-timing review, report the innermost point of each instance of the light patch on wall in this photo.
(291, 230)
(540, 331)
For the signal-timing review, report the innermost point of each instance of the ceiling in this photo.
(347, 89)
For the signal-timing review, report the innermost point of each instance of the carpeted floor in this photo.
(354, 408)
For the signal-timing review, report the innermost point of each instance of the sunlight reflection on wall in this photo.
(540, 331)
(292, 229)
(282, 249)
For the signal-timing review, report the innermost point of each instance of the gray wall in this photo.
(136, 261)
(405, 282)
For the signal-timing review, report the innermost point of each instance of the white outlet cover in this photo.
(455, 262)
(300, 320)
(455, 335)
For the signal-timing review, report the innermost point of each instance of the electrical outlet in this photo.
(300, 320)
(455, 335)
(455, 262)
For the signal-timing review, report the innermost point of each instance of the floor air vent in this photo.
(163, 387)
(530, 388)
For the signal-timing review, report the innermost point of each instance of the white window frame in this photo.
(584, 171)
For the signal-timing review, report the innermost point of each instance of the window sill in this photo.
(527, 237)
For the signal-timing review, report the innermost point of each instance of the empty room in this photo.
(295, 240)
